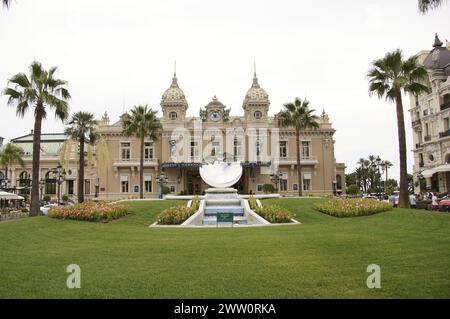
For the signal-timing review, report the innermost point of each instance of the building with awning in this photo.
(266, 152)
(430, 116)
(9, 199)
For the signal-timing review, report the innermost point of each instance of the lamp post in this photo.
(275, 178)
(378, 163)
(97, 187)
(41, 186)
(60, 176)
(161, 179)
(420, 177)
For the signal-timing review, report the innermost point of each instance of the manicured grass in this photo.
(323, 257)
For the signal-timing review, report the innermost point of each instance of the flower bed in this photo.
(271, 213)
(94, 212)
(351, 207)
(176, 215)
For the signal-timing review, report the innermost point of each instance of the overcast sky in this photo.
(116, 54)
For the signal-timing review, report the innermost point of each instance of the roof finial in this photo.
(255, 78)
(174, 79)
(437, 42)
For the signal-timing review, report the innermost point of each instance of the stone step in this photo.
(223, 202)
(212, 220)
(213, 210)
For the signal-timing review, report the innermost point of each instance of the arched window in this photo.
(24, 179)
(173, 115)
(50, 183)
(257, 115)
(338, 182)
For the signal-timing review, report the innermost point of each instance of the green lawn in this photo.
(324, 257)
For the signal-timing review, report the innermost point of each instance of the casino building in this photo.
(266, 152)
(430, 121)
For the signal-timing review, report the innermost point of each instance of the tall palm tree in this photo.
(42, 91)
(142, 123)
(426, 5)
(300, 117)
(388, 77)
(363, 172)
(82, 127)
(11, 154)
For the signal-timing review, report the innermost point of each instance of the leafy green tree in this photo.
(351, 179)
(300, 117)
(42, 91)
(352, 189)
(388, 77)
(11, 154)
(426, 5)
(82, 127)
(142, 123)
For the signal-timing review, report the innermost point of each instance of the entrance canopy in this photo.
(437, 169)
(10, 196)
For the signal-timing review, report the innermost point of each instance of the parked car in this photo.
(44, 209)
(444, 205)
(370, 197)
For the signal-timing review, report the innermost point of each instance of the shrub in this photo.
(94, 212)
(165, 190)
(350, 207)
(274, 214)
(268, 188)
(176, 215)
(46, 198)
(353, 189)
(252, 202)
(65, 198)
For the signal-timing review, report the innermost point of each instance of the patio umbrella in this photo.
(10, 196)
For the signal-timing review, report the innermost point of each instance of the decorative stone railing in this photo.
(13, 215)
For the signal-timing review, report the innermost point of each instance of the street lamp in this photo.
(162, 179)
(276, 177)
(421, 178)
(97, 187)
(41, 186)
(378, 163)
(60, 176)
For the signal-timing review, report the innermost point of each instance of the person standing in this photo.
(412, 201)
(434, 201)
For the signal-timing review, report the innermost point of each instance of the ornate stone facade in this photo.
(430, 115)
(185, 143)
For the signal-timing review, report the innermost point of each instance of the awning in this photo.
(180, 165)
(437, 169)
(10, 196)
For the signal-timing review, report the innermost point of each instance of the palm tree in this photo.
(82, 127)
(142, 123)
(299, 116)
(387, 78)
(9, 155)
(363, 173)
(426, 5)
(40, 90)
